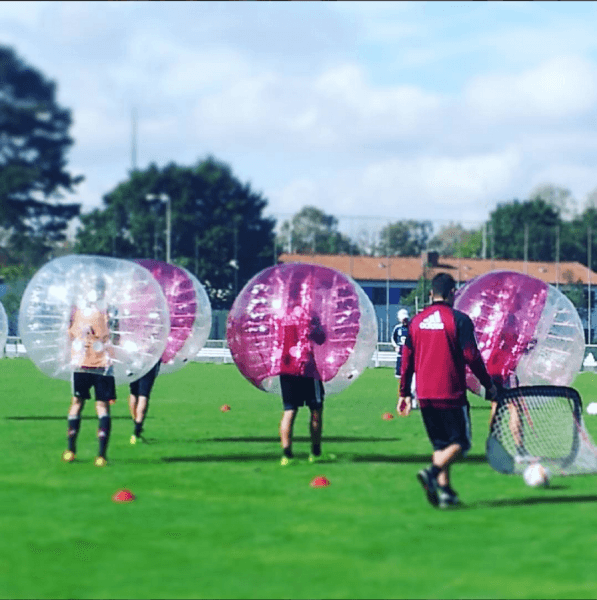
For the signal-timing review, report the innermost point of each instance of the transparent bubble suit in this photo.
(3, 329)
(118, 294)
(301, 319)
(528, 332)
(190, 313)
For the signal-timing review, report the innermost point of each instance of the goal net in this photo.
(540, 423)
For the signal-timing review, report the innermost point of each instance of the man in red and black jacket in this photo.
(439, 345)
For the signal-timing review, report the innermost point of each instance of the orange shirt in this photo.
(89, 333)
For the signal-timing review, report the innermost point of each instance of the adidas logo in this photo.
(433, 321)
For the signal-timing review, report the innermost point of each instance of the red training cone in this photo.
(123, 496)
(387, 416)
(320, 481)
(225, 408)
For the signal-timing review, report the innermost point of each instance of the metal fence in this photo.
(217, 351)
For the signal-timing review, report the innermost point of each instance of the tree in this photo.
(313, 231)
(217, 228)
(33, 143)
(405, 238)
(454, 240)
(559, 198)
(591, 199)
(575, 238)
(525, 230)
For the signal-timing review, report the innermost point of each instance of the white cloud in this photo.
(336, 108)
(28, 14)
(559, 88)
(399, 109)
(420, 188)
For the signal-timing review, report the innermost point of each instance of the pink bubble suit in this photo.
(528, 332)
(301, 319)
(96, 292)
(190, 313)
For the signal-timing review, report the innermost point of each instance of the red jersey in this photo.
(439, 345)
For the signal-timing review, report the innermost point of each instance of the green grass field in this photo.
(217, 517)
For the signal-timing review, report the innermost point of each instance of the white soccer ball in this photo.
(592, 408)
(536, 475)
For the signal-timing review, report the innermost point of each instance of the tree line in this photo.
(218, 227)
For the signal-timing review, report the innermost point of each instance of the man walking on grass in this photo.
(440, 344)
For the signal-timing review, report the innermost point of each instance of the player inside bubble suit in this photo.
(509, 341)
(91, 360)
(306, 388)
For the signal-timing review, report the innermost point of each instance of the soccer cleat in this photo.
(285, 462)
(68, 456)
(447, 498)
(100, 461)
(429, 484)
(134, 439)
(322, 458)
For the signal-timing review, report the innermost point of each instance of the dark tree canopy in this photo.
(510, 221)
(218, 231)
(578, 235)
(34, 140)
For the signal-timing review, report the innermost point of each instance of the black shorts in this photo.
(143, 385)
(299, 391)
(398, 365)
(104, 386)
(446, 426)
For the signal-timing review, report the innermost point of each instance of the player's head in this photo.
(443, 287)
(402, 315)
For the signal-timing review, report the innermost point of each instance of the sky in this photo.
(367, 110)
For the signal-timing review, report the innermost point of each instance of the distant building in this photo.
(388, 280)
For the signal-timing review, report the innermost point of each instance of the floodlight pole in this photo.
(168, 201)
(168, 226)
(386, 266)
(388, 302)
(589, 284)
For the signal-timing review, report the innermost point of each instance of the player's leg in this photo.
(139, 418)
(443, 459)
(143, 392)
(315, 430)
(103, 431)
(74, 425)
(133, 399)
(449, 433)
(291, 388)
(315, 404)
(515, 424)
(457, 424)
(80, 392)
(286, 431)
(105, 390)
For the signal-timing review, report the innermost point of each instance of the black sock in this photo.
(103, 434)
(138, 428)
(316, 449)
(434, 471)
(74, 424)
(288, 452)
(447, 489)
